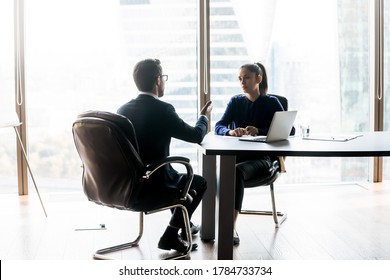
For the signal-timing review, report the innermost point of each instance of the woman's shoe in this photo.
(236, 238)
(194, 228)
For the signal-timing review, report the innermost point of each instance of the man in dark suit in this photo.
(155, 123)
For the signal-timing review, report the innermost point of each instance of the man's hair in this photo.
(145, 73)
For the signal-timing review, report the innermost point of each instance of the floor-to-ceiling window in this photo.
(80, 56)
(316, 54)
(8, 177)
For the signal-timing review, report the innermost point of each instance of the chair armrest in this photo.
(153, 166)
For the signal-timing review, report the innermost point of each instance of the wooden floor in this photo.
(325, 222)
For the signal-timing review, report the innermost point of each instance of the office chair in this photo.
(273, 174)
(114, 175)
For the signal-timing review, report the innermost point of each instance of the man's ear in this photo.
(158, 81)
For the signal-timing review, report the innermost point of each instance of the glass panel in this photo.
(386, 31)
(80, 57)
(316, 54)
(8, 164)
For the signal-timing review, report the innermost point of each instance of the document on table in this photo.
(332, 137)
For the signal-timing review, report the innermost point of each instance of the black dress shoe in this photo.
(175, 244)
(194, 230)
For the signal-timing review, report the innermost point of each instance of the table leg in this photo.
(226, 196)
(208, 202)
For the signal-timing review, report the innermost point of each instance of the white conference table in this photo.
(10, 119)
(219, 197)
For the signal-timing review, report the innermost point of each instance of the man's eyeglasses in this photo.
(164, 77)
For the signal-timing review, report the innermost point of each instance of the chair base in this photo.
(101, 253)
(278, 221)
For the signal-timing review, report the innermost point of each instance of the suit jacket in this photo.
(155, 123)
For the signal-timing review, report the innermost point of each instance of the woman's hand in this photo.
(251, 130)
(238, 132)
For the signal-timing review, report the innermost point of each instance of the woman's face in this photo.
(249, 81)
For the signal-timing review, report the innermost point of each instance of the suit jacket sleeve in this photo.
(181, 130)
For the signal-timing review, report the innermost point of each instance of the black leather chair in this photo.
(273, 174)
(114, 175)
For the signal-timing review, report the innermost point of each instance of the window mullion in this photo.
(377, 82)
(20, 94)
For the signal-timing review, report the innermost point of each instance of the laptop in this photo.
(279, 130)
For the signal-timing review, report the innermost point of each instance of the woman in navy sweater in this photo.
(250, 113)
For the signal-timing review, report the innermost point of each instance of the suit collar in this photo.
(148, 94)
